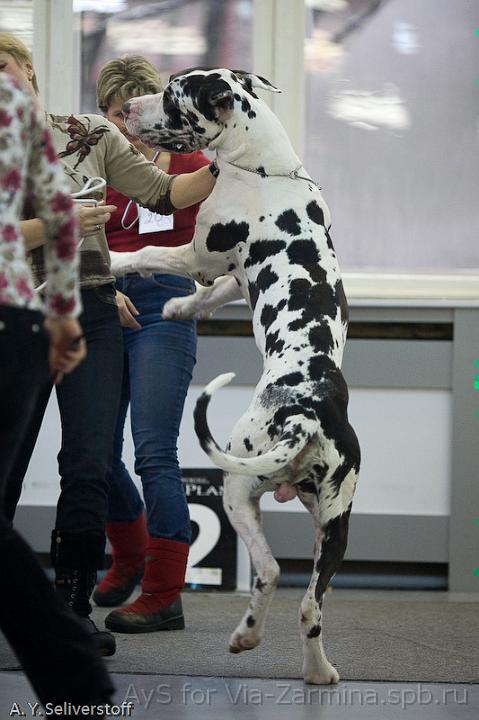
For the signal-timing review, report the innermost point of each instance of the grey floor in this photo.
(185, 697)
(173, 697)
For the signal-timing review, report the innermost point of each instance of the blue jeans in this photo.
(159, 361)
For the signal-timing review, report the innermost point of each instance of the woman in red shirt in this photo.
(159, 359)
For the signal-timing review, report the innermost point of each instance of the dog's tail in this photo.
(273, 460)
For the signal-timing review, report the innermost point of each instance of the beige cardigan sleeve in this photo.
(129, 172)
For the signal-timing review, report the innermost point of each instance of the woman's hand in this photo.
(92, 218)
(127, 311)
(67, 346)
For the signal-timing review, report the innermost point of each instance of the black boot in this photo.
(76, 586)
(76, 556)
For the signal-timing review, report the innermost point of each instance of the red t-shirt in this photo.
(184, 220)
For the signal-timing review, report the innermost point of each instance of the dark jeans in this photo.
(88, 401)
(159, 361)
(56, 653)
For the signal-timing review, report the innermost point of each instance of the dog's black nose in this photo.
(125, 108)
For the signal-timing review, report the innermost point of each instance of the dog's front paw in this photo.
(185, 308)
(243, 641)
(328, 675)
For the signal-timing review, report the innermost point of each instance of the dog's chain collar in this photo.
(293, 175)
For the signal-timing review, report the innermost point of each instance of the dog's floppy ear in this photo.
(216, 101)
(255, 81)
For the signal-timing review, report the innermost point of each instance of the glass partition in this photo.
(392, 103)
(16, 16)
(172, 34)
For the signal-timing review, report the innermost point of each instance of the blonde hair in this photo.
(124, 78)
(20, 53)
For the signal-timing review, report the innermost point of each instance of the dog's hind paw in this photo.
(239, 643)
(328, 676)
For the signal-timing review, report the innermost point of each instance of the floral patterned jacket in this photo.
(90, 146)
(30, 171)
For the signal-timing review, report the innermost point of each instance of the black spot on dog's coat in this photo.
(303, 252)
(315, 213)
(225, 236)
(247, 444)
(289, 222)
(261, 250)
(274, 344)
(321, 338)
(259, 584)
(292, 379)
(246, 108)
(315, 631)
(268, 316)
(266, 278)
(299, 294)
(253, 291)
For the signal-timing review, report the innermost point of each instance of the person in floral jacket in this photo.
(64, 664)
(90, 146)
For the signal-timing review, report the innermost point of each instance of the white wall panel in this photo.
(405, 437)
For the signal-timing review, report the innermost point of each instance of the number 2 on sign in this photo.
(209, 531)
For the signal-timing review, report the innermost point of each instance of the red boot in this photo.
(159, 606)
(129, 541)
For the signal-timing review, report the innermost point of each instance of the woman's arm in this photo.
(191, 188)
(89, 218)
(129, 172)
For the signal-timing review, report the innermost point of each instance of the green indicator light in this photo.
(476, 522)
(476, 31)
(476, 572)
(476, 362)
(476, 81)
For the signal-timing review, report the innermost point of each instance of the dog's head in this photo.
(193, 108)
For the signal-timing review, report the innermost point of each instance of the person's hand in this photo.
(127, 311)
(67, 346)
(93, 218)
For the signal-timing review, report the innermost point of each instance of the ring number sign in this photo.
(212, 560)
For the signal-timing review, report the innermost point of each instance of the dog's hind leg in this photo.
(331, 534)
(316, 667)
(241, 502)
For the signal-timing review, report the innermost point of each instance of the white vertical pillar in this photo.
(53, 54)
(278, 51)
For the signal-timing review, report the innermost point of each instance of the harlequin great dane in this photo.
(265, 227)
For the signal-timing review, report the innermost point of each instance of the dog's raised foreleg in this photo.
(151, 259)
(204, 301)
(242, 507)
